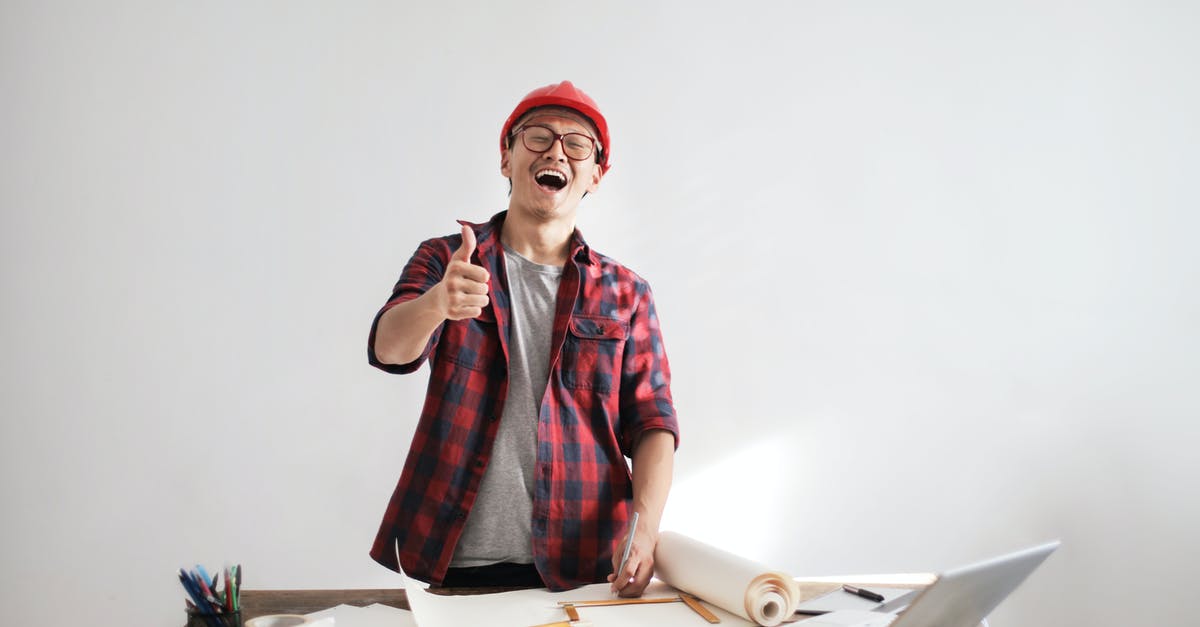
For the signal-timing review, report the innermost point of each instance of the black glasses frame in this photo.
(596, 148)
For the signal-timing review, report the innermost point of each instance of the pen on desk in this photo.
(628, 545)
(866, 594)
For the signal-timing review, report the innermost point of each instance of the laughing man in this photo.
(548, 371)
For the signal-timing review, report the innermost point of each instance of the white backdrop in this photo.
(926, 272)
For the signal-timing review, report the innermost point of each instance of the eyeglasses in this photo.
(539, 139)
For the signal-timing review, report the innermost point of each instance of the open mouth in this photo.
(552, 180)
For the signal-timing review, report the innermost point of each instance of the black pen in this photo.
(866, 594)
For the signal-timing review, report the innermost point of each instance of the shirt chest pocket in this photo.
(592, 351)
(472, 343)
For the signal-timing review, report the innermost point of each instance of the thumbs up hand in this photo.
(464, 287)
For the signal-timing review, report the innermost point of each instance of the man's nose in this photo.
(555, 151)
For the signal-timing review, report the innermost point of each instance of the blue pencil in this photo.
(202, 604)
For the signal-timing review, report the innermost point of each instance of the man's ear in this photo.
(504, 167)
(597, 174)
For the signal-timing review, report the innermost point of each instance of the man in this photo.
(548, 370)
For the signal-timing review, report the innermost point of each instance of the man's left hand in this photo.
(639, 569)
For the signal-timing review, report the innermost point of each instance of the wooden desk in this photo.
(257, 603)
(262, 602)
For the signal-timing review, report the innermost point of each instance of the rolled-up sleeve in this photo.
(646, 402)
(422, 272)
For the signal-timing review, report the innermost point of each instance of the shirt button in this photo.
(460, 515)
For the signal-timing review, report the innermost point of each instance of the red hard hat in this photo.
(562, 94)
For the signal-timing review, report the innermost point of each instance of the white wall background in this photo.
(927, 273)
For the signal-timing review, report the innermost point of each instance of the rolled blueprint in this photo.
(735, 584)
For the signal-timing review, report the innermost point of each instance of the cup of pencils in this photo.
(213, 601)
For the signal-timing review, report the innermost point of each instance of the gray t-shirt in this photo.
(499, 527)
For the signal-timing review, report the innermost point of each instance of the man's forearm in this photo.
(653, 465)
(405, 329)
(462, 293)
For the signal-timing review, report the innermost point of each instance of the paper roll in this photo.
(735, 584)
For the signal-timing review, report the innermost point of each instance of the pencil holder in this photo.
(228, 619)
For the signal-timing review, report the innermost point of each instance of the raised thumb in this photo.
(468, 245)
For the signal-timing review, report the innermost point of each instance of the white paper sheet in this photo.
(388, 615)
(841, 600)
(740, 591)
(850, 618)
(735, 584)
(335, 611)
(374, 615)
(525, 608)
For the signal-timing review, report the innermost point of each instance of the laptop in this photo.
(962, 597)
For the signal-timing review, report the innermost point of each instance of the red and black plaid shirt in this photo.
(609, 384)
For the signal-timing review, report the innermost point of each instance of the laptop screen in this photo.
(965, 596)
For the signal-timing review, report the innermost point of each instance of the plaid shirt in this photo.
(609, 384)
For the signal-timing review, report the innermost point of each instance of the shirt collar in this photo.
(487, 235)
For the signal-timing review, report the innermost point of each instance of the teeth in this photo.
(555, 173)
